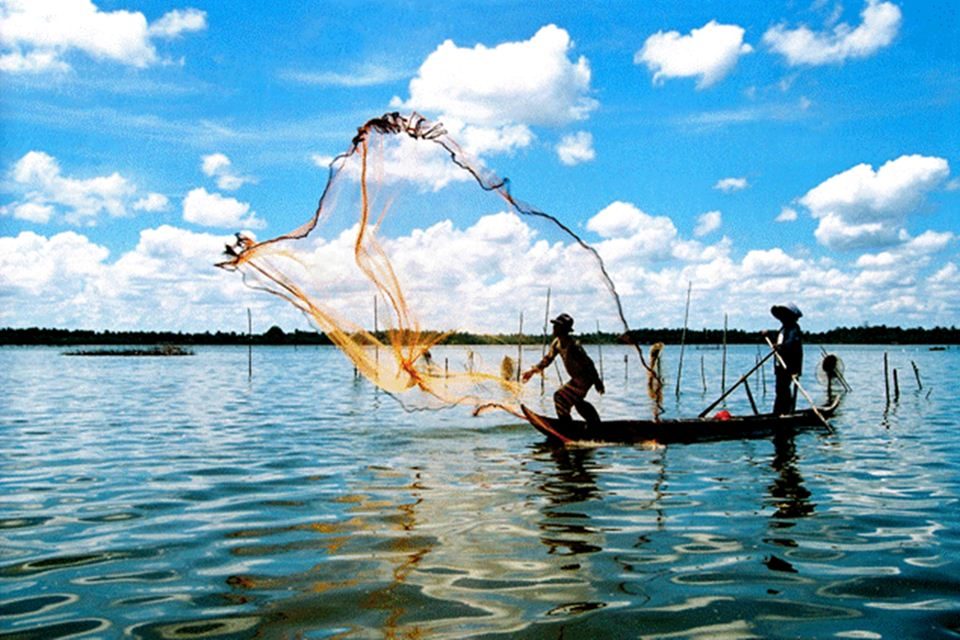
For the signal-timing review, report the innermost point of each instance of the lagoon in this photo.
(178, 498)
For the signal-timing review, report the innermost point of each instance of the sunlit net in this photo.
(413, 244)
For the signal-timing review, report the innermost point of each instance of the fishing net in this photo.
(412, 246)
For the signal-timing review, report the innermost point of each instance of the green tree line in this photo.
(880, 334)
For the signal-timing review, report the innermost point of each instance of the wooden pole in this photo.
(886, 377)
(625, 368)
(600, 349)
(753, 405)
(543, 344)
(683, 336)
(520, 348)
(249, 344)
(723, 370)
(376, 331)
(896, 386)
(703, 374)
(916, 373)
(742, 379)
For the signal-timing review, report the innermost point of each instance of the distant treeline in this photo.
(277, 336)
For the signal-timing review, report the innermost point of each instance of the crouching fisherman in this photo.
(580, 368)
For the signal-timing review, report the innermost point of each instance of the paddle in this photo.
(742, 379)
(793, 377)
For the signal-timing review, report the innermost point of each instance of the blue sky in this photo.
(765, 151)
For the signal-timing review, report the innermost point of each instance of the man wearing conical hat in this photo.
(790, 347)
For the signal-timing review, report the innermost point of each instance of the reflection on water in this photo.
(205, 505)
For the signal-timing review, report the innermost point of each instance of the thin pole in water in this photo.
(896, 387)
(723, 370)
(916, 373)
(703, 374)
(543, 344)
(249, 344)
(886, 377)
(600, 349)
(520, 348)
(683, 336)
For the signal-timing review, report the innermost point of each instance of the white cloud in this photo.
(801, 46)
(707, 223)
(576, 148)
(152, 202)
(218, 165)
(215, 210)
(729, 185)
(710, 53)
(35, 35)
(366, 75)
(861, 207)
(176, 23)
(38, 177)
(787, 214)
(532, 82)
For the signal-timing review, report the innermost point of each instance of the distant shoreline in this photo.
(276, 336)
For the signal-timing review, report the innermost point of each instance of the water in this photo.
(175, 498)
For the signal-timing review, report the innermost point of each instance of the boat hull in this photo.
(684, 430)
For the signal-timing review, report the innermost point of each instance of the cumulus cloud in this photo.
(707, 223)
(218, 166)
(802, 46)
(457, 276)
(787, 214)
(708, 53)
(576, 148)
(862, 208)
(36, 35)
(494, 95)
(177, 22)
(531, 82)
(38, 178)
(152, 202)
(215, 210)
(729, 185)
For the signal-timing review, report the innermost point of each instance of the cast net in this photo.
(412, 247)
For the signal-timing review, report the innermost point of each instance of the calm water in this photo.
(175, 498)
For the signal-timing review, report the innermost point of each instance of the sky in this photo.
(758, 152)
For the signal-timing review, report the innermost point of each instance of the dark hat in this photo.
(786, 312)
(563, 320)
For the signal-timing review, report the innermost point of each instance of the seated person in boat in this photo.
(580, 368)
(789, 345)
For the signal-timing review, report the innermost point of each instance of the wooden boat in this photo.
(682, 430)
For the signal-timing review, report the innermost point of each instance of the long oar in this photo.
(793, 377)
(742, 379)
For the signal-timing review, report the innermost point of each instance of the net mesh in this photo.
(437, 246)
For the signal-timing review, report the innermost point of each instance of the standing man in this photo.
(580, 368)
(790, 347)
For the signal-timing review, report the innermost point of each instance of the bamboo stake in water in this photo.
(520, 348)
(543, 344)
(600, 349)
(683, 336)
(249, 344)
(703, 374)
(896, 387)
(886, 377)
(916, 373)
(723, 370)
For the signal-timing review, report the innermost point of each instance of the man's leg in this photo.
(589, 414)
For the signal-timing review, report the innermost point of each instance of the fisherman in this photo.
(580, 368)
(790, 347)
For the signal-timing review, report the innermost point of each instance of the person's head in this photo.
(562, 325)
(786, 313)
